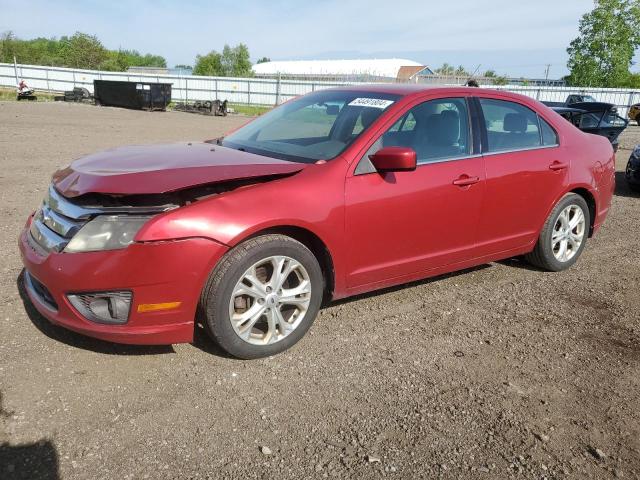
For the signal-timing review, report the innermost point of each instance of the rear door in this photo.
(525, 174)
(399, 224)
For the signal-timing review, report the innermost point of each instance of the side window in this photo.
(610, 119)
(549, 135)
(510, 126)
(436, 130)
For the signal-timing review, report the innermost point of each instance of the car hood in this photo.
(150, 169)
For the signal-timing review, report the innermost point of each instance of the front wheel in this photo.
(262, 297)
(563, 235)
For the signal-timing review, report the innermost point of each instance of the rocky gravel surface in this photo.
(501, 371)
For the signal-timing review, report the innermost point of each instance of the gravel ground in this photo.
(497, 372)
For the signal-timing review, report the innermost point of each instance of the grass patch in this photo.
(10, 94)
(250, 110)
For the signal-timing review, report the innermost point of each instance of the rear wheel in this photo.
(262, 297)
(563, 236)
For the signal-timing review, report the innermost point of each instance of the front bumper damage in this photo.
(155, 273)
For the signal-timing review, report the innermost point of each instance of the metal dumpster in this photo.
(137, 95)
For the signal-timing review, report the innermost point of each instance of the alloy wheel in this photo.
(568, 233)
(270, 300)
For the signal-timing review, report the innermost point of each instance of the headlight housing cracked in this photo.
(106, 232)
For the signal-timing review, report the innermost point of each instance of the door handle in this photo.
(558, 166)
(465, 180)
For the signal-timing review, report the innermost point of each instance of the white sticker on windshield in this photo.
(370, 102)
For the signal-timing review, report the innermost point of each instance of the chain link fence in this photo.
(263, 91)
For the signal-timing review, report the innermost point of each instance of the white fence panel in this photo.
(258, 91)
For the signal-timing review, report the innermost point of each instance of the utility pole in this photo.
(15, 69)
(546, 74)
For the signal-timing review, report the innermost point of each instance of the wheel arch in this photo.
(591, 203)
(314, 243)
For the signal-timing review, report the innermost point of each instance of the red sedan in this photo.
(332, 194)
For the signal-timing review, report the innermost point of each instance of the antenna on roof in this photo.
(471, 82)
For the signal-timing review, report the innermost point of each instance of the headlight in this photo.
(106, 232)
(636, 151)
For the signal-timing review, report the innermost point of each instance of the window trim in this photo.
(540, 119)
(516, 150)
(485, 135)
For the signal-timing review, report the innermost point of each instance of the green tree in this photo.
(209, 64)
(263, 60)
(236, 61)
(83, 51)
(490, 74)
(80, 51)
(500, 80)
(8, 47)
(609, 36)
(233, 62)
(461, 72)
(446, 69)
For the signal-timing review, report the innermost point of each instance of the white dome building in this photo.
(364, 69)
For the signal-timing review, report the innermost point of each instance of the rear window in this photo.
(510, 126)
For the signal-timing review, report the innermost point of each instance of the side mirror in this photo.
(394, 159)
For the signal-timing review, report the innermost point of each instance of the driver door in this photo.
(401, 225)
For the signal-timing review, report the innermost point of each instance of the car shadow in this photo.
(80, 341)
(402, 286)
(26, 461)
(520, 262)
(202, 341)
(622, 187)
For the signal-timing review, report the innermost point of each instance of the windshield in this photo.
(318, 126)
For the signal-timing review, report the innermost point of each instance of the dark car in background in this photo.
(598, 118)
(571, 100)
(632, 172)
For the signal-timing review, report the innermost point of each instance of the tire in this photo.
(545, 255)
(224, 284)
(634, 187)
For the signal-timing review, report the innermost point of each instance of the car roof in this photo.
(401, 88)
(408, 90)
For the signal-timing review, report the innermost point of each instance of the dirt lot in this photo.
(498, 372)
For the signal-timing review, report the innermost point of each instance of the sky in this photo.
(514, 38)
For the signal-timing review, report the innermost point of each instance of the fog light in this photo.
(103, 307)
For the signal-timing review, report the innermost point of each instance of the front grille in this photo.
(40, 291)
(57, 221)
